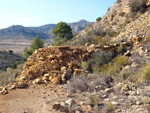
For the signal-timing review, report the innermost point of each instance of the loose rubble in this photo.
(57, 64)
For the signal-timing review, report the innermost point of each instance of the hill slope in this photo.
(7, 59)
(117, 25)
(21, 34)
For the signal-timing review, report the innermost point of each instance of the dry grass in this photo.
(10, 75)
(143, 76)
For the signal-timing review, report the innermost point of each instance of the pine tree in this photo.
(36, 44)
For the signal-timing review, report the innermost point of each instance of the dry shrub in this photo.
(77, 84)
(114, 67)
(138, 6)
(98, 59)
(143, 76)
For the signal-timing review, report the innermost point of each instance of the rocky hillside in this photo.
(111, 76)
(140, 27)
(117, 25)
(21, 34)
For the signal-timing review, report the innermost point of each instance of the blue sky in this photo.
(40, 12)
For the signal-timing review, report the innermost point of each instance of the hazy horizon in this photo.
(32, 13)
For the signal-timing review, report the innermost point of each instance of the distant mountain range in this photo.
(21, 34)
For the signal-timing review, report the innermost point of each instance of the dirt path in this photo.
(37, 99)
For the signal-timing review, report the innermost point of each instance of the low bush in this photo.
(110, 32)
(10, 51)
(145, 100)
(119, 0)
(120, 49)
(98, 19)
(138, 6)
(77, 84)
(143, 76)
(123, 25)
(98, 59)
(93, 101)
(110, 107)
(14, 66)
(91, 82)
(114, 67)
(100, 40)
(58, 42)
(138, 59)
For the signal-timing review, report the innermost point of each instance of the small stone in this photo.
(64, 109)
(104, 96)
(56, 106)
(4, 91)
(114, 103)
(138, 102)
(56, 80)
(124, 88)
(138, 92)
(63, 103)
(22, 85)
(77, 111)
(70, 102)
(108, 90)
(132, 93)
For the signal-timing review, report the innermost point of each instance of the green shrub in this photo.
(138, 6)
(119, 0)
(14, 66)
(147, 37)
(110, 107)
(110, 32)
(36, 44)
(97, 60)
(10, 51)
(143, 76)
(121, 13)
(84, 65)
(93, 101)
(58, 41)
(4, 69)
(120, 49)
(114, 67)
(100, 40)
(4, 82)
(121, 60)
(77, 84)
(98, 19)
(145, 100)
(127, 21)
(124, 75)
(123, 25)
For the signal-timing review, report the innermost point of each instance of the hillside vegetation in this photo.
(9, 59)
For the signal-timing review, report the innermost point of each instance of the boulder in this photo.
(56, 80)
(4, 91)
(22, 85)
(125, 88)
